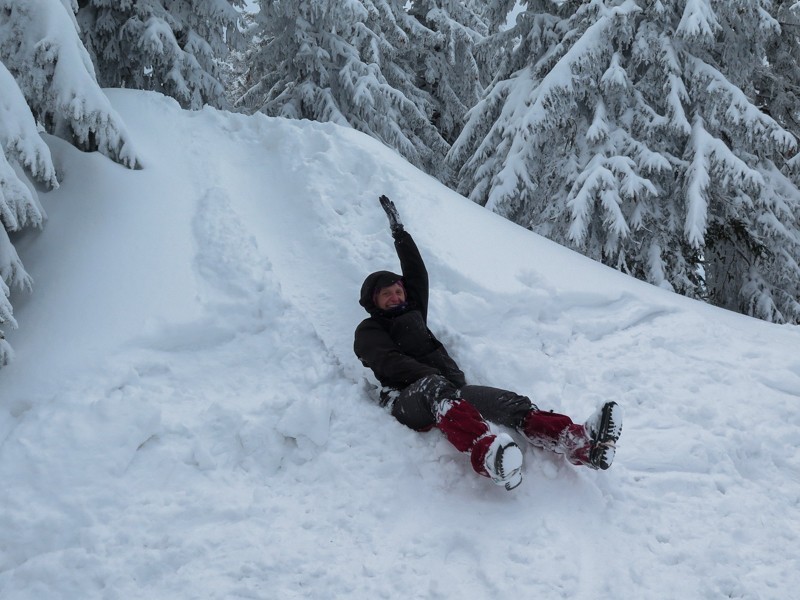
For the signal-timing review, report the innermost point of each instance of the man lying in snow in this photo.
(424, 388)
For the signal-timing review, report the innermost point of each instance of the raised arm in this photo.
(415, 275)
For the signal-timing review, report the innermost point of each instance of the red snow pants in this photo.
(435, 402)
(558, 433)
(461, 415)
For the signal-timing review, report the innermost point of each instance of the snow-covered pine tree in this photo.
(21, 147)
(629, 131)
(445, 59)
(345, 61)
(39, 45)
(778, 86)
(172, 46)
(497, 47)
(780, 94)
(495, 13)
(493, 153)
(46, 81)
(238, 67)
(751, 245)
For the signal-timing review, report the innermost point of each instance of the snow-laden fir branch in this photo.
(40, 47)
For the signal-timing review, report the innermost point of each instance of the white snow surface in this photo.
(185, 417)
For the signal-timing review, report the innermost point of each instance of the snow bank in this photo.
(185, 417)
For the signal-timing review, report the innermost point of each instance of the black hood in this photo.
(373, 282)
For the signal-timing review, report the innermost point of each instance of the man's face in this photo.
(390, 297)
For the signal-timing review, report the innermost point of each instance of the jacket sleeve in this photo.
(374, 347)
(415, 275)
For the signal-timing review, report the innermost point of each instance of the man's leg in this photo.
(434, 402)
(498, 406)
(557, 433)
(592, 444)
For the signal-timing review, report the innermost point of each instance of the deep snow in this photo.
(185, 417)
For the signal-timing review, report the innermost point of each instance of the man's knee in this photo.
(415, 405)
(497, 405)
(435, 387)
(516, 407)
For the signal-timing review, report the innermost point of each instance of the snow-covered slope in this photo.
(185, 417)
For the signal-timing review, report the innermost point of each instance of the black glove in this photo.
(394, 218)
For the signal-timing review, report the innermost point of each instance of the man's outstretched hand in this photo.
(394, 217)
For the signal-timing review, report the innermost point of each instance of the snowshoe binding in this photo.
(604, 429)
(503, 462)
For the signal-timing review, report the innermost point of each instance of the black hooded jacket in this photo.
(397, 345)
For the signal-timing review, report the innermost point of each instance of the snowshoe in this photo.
(604, 429)
(503, 462)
